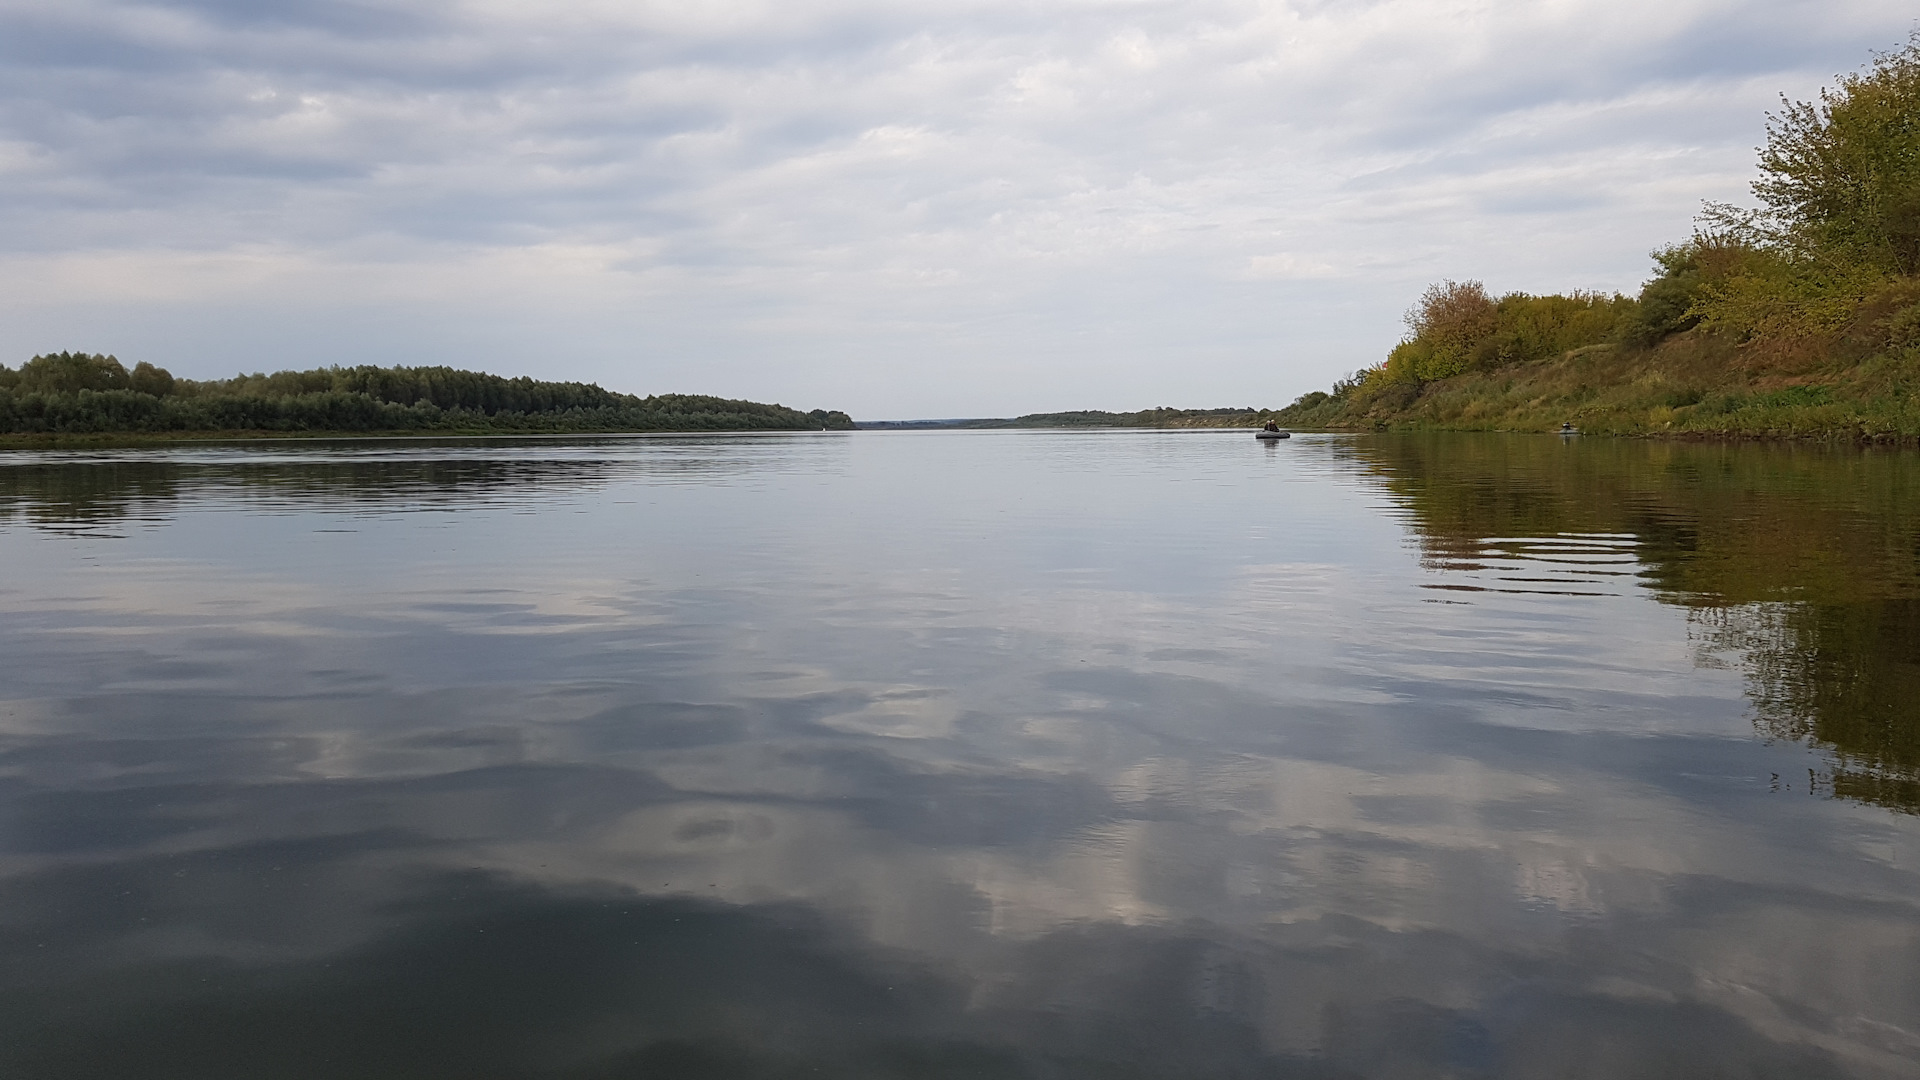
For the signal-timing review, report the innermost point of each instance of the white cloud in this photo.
(939, 208)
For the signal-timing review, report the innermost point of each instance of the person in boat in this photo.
(1272, 425)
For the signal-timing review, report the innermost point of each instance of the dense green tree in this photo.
(1843, 174)
(1669, 303)
(1839, 223)
(147, 379)
(69, 371)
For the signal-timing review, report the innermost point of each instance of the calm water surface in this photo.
(960, 754)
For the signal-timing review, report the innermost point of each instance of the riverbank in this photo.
(1796, 318)
(1693, 385)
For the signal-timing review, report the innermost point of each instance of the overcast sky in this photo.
(899, 208)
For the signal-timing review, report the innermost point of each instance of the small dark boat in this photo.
(1273, 435)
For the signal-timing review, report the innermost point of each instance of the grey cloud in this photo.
(342, 19)
(881, 172)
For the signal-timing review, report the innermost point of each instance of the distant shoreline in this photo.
(1089, 419)
(81, 398)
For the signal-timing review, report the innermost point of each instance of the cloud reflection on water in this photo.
(1231, 807)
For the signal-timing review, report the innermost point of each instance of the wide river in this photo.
(960, 754)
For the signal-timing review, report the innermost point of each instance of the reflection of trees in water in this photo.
(90, 494)
(1844, 676)
(72, 497)
(1803, 561)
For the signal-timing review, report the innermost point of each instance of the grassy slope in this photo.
(1692, 384)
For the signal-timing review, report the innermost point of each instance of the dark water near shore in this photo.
(960, 754)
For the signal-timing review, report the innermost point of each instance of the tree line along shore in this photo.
(66, 395)
(1797, 318)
